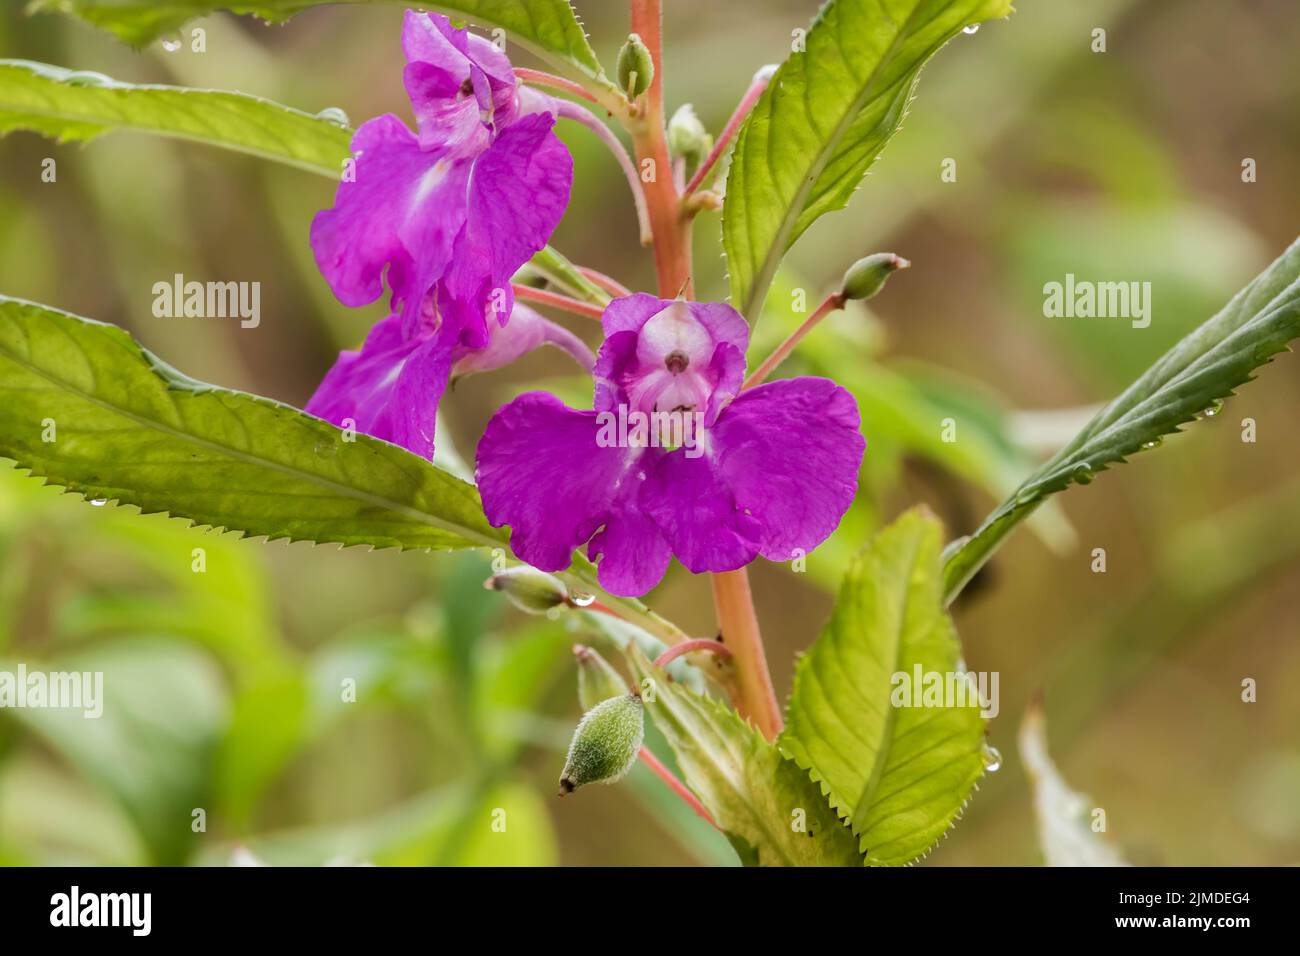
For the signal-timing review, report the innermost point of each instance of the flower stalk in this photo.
(544, 297)
(580, 114)
(729, 131)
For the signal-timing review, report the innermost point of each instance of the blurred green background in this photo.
(224, 687)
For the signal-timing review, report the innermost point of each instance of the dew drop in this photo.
(1214, 409)
(992, 758)
(1148, 445)
(87, 78)
(1083, 473)
(578, 599)
(973, 28)
(332, 114)
(99, 502)
(171, 42)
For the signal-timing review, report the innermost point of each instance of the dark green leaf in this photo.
(823, 119)
(131, 429)
(1189, 381)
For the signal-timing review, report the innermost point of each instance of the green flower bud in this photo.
(606, 743)
(636, 69)
(687, 136)
(597, 679)
(529, 589)
(867, 276)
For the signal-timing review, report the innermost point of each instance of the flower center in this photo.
(676, 361)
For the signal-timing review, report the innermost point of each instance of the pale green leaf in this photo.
(1189, 381)
(68, 105)
(822, 121)
(162, 711)
(547, 28)
(131, 429)
(1065, 830)
(770, 808)
(899, 775)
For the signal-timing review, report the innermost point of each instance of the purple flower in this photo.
(454, 211)
(391, 387)
(673, 459)
(445, 217)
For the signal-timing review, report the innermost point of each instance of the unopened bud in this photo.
(867, 276)
(529, 589)
(636, 69)
(687, 136)
(606, 743)
(597, 679)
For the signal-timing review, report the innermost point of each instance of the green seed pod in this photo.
(606, 743)
(687, 136)
(529, 589)
(867, 276)
(636, 69)
(597, 679)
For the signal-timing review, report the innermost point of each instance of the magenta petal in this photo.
(400, 213)
(517, 196)
(442, 59)
(526, 331)
(389, 389)
(631, 312)
(632, 555)
(779, 471)
(541, 472)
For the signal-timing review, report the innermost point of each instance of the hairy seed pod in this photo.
(606, 743)
(597, 679)
(636, 68)
(867, 276)
(529, 589)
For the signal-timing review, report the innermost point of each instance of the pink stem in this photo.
(687, 647)
(581, 114)
(728, 132)
(612, 286)
(679, 788)
(558, 301)
(538, 78)
(832, 302)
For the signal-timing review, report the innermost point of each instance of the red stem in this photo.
(832, 302)
(557, 300)
(539, 78)
(687, 647)
(670, 229)
(610, 285)
(728, 132)
(679, 788)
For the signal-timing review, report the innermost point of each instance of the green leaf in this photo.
(1189, 381)
(1064, 817)
(130, 428)
(899, 775)
(822, 121)
(67, 105)
(771, 810)
(547, 28)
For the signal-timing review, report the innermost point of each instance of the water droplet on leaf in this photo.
(992, 758)
(973, 28)
(87, 78)
(1083, 473)
(99, 502)
(581, 600)
(171, 42)
(332, 114)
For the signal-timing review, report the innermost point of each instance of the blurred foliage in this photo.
(1123, 165)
